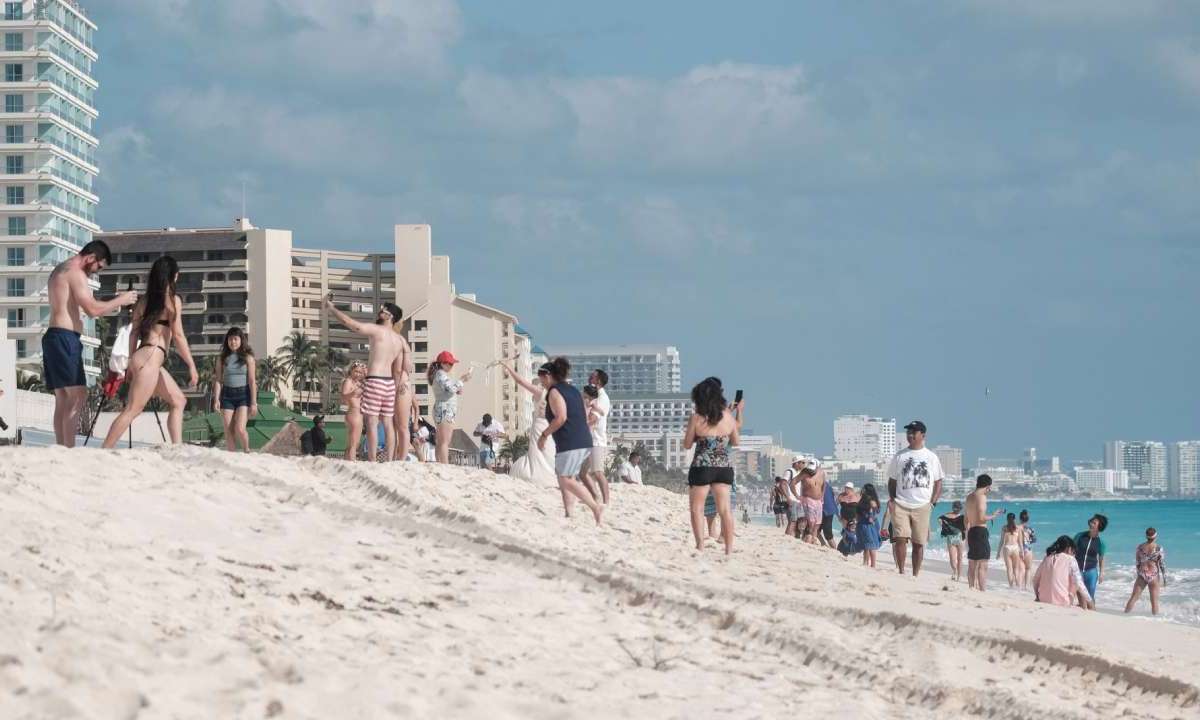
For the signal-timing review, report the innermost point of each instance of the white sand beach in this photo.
(192, 583)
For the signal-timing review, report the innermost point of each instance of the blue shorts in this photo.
(1090, 579)
(233, 398)
(62, 359)
(487, 455)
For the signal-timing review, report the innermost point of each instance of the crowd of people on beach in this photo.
(805, 506)
(569, 441)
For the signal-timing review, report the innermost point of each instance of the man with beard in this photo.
(379, 388)
(62, 345)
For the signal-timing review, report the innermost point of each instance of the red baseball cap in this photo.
(447, 357)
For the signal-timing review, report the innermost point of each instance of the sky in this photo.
(979, 213)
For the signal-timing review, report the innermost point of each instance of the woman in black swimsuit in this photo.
(156, 322)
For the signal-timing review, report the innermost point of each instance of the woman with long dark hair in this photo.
(535, 464)
(1058, 580)
(713, 429)
(156, 321)
(868, 524)
(1011, 539)
(233, 388)
(572, 437)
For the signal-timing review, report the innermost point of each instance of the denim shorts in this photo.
(233, 398)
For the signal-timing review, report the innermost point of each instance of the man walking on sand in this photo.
(979, 546)
(62, 345)
(600, 408)
(795, 508)
(379, 389)
(914, 485)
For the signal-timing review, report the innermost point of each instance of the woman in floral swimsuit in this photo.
(1151, 571)
(445, 399)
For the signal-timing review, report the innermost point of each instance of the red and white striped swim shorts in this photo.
(379, 396)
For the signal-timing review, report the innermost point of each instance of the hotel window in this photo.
(420, 324)
(16, 317)
(15, 195)
(421, 347)
(14, 164)
(15, 287)
(14, 133)
(14, 42)
(14, 72)
(21, 348)
(14, 103)
(14, 11)
(421, 389)
(420, 367)
(16, 256)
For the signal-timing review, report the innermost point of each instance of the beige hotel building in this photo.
(255, 278)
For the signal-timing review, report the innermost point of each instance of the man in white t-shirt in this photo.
(598, 420)
(914, 486)
(630, 470)
(488, 432)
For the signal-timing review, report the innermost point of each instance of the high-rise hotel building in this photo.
(47, 189)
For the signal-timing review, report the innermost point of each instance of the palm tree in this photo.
(514, 449)
(206, 371)
(297, 359)
(268, 375)
(332, 362)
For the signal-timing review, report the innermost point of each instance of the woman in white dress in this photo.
(536, 465)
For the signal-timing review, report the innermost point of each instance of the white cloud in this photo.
(289, 134)
(1182, 61)
(365, 42)
(715, 117)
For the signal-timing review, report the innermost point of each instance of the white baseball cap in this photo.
(849, 485)
(813, 462)
(799, 458)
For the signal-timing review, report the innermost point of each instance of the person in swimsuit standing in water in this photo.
(62, 344)
(379, 388)
(713, 429)
(1151, 571)
(156, 321)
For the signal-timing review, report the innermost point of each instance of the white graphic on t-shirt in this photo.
(914, 474)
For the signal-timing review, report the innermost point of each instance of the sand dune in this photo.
(194, 583)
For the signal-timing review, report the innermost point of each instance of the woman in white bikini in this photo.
(1012, 539)
(156, 322)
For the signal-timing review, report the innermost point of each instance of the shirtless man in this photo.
(812, 489)
(62, 347)
(402, 368)
(979, 548)
(379, 388)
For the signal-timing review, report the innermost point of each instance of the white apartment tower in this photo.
(1185, 468)
(631, 368)
(951, 459)
(49, 200)
(864, 439)
(1144, 460)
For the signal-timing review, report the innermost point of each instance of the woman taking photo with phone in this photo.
(445, 399)
(156, 322)
(233, 388)
(713, 428)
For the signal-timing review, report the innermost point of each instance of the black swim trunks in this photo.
(979, 547)
(62, 359)
(708, 475)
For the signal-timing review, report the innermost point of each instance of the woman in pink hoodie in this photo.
(1058, 580)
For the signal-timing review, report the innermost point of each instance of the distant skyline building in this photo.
(48, 185)
(1104, 480)
(1144, 460)
(630, 368)
(1185, 468)
(864, 439)
(950, 458)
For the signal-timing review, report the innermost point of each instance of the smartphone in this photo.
(737, 398)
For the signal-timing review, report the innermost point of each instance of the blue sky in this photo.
(841, 207)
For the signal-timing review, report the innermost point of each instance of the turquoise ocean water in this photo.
(1177, 522)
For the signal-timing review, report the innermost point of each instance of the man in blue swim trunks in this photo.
(62, 346)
